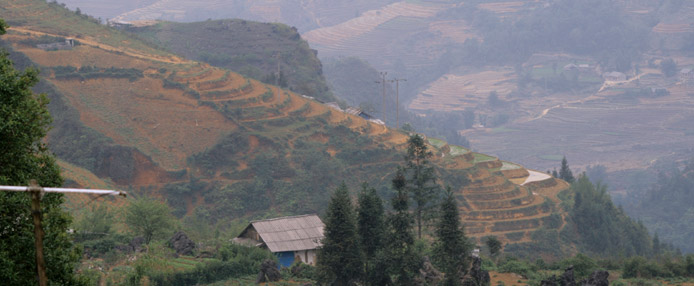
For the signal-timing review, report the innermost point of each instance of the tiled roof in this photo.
(290, 233)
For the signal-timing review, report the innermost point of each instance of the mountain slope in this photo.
(254, 49)
(219, 146)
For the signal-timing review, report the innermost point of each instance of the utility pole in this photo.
(383, 92)
(277, 80)
(397, 101)
(36, 193)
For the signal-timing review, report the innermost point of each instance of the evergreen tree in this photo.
(24, 121)
(339, 260)
(420, 178)
(371, 228)
(451, 248)
(494, 245)
(565, 172)
(402, 260)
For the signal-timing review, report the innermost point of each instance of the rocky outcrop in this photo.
(269, 272)
(597, 278)
(428, 275)
(180, 243)
(477, 276)
(567, 279)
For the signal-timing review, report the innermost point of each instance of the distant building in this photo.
(687, 74)
(118, 24)
(614, 76)
(67, 45)
(291, 238)
(358, 112)
(570, 67)
(334, 105)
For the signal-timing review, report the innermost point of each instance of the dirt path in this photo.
(90, 42)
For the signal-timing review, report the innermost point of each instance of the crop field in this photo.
(456, 30)
(366, 22)
(457, 92)
(502, 7)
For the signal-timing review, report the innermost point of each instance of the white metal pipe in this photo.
(65, 190)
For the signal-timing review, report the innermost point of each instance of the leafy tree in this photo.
(24, 121)
(97, 220)
(420, 178)
(603, 228)
(494, 245)
(565, 172)
(339, 260)
(451, 248)
(149, 218)
(668, 67)
(371, 228)
(403, 260)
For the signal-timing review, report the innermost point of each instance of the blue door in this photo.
(286, 258)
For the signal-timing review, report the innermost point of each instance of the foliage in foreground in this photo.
(24, 122)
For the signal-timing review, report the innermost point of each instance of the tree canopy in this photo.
(24, 122)
(149, 218)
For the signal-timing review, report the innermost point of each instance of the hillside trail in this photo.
(605, 85)
(171, 59)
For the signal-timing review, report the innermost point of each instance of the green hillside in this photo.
(250, 48)
(221, 148)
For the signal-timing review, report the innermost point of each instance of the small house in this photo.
(687, 74)
(570, 67)
(68, 44)
(292, 238)
(614, 76)
(358, 112)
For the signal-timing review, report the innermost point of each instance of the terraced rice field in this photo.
(503, 199)
(502, 7)
(673, 28)
(367, 21)
(456, 30)
(457, 92)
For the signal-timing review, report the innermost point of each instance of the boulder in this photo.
(477, 276)
(597, 278)
(269, 272)
(567, 279)
(180, 243)
(136, 244)
(428, 275)
(552, 281)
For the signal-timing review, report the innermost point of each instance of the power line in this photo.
(397, 100)
(383, 92)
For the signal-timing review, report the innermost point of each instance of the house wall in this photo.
(306, 256)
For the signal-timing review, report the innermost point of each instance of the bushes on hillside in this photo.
(92, 72)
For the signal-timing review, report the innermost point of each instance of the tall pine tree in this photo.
(340, 260)
(420, 178)
(371, 228)
(451, 248)
(404, 262)
(565, 172)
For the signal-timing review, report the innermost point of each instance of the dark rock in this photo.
(567, 279)
(552, 281)
(597, 278)
(136, 244)
(181, 244)
(428, 275)
(477, 276)
(125, 248)
(269, 272)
